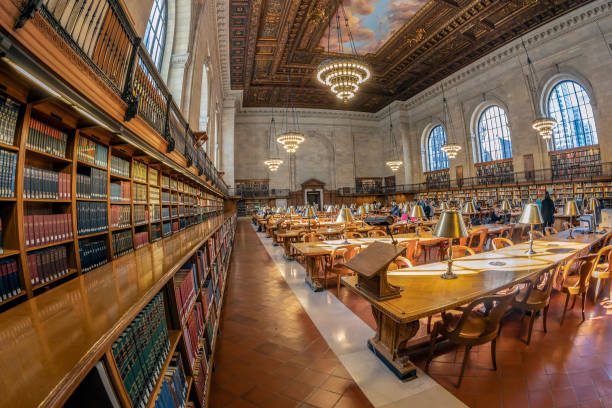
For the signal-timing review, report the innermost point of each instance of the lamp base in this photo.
(446, 275)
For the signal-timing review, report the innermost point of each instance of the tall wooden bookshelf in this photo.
(65, 324)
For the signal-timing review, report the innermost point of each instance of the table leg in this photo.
(287, 247)
(311, 274)
(393, 343)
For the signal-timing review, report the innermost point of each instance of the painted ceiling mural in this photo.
(371, 23)
(276, 45)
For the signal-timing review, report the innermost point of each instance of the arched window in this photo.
(436, 158)
(494, 135)
(570, 105)
(155, 33)
(203, 121)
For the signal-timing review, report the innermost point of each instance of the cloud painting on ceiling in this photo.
(372, 23)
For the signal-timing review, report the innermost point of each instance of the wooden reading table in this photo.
(311, 251)
(425, 293)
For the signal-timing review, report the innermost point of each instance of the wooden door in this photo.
(459, 173)
(529, 167)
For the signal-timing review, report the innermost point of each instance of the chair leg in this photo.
(583, 301)
(573, 303)
(531, 321)
(564, 309)
(429, 324)
(596, 292)
(544, 317)
(465, 359)
(493, 347)
(432, 347)
(338, 289)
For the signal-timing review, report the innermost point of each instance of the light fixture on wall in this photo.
(290, 139)
(342, 73)
(274, 161)
(544, 125)
(394, 163)
(451, 148)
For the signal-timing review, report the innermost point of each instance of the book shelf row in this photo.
(164, 356)
(110, 319)
(78, 196)
(526, 193)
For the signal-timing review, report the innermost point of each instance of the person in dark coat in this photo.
(548, 211)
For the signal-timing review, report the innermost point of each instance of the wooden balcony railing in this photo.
(100, 33)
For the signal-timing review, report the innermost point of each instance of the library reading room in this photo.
(305, 203)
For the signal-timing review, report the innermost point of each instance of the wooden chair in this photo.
(353, 234)
(602, 270)
(433, 250)
(376, 234)
(537, 234)
(470, 328)
(412, 248)
(606, 239)
(574, 285)
(499, 243)
(338, 256)
(565, 225)
(459, 251)
(477, 240)
(400, 262)
(535, 296)
(426, 229)
(550, 231)
(311, 237)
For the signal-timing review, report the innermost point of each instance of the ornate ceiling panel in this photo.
(274, 43)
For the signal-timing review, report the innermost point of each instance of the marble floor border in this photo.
(346, 334)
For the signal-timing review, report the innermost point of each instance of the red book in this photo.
(31, 269)
(35, 229)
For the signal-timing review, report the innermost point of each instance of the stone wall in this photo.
(343, 145)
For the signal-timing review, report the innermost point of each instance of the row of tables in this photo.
(423, 292)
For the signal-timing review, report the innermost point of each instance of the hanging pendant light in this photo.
(544, 125)
(290, 139)
(394, 163)
(274, 161)
(450, 148)
(342, 74)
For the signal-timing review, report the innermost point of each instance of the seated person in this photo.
(497, 214)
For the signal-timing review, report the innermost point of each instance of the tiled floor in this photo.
(269, 353)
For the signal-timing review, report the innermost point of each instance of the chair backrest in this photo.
(376, 233)
(606, 239)
(586, 265)
(426, 229)
(477, 239)
(604, 253)
(565, 225)
(311, 237)
(537, 234)
(550, 231)
(345, 252)
(499, 243)
(525, 231)
(353, 234)
(460, 251)
(400, 262)
(497, 305)
(411, 249)
(543, 283)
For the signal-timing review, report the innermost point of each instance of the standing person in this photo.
(428, 210)
(548, 210)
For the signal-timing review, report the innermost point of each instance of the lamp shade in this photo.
(469, 208)
(593, 204)
(506, 206)
(361, 210)
(280, 210)
(417, 212)
(451, 225)
(344, 216)
(444, 206)
(329, 208)
(310, 212)
(531, 215)
(291, 212)
(571, 209)
(367, 207)
(353, 206)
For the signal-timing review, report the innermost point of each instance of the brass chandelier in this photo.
(544, 125)
(342, 74)
(290, 139)
(450, 148)
(274, 161)
(394, 163)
